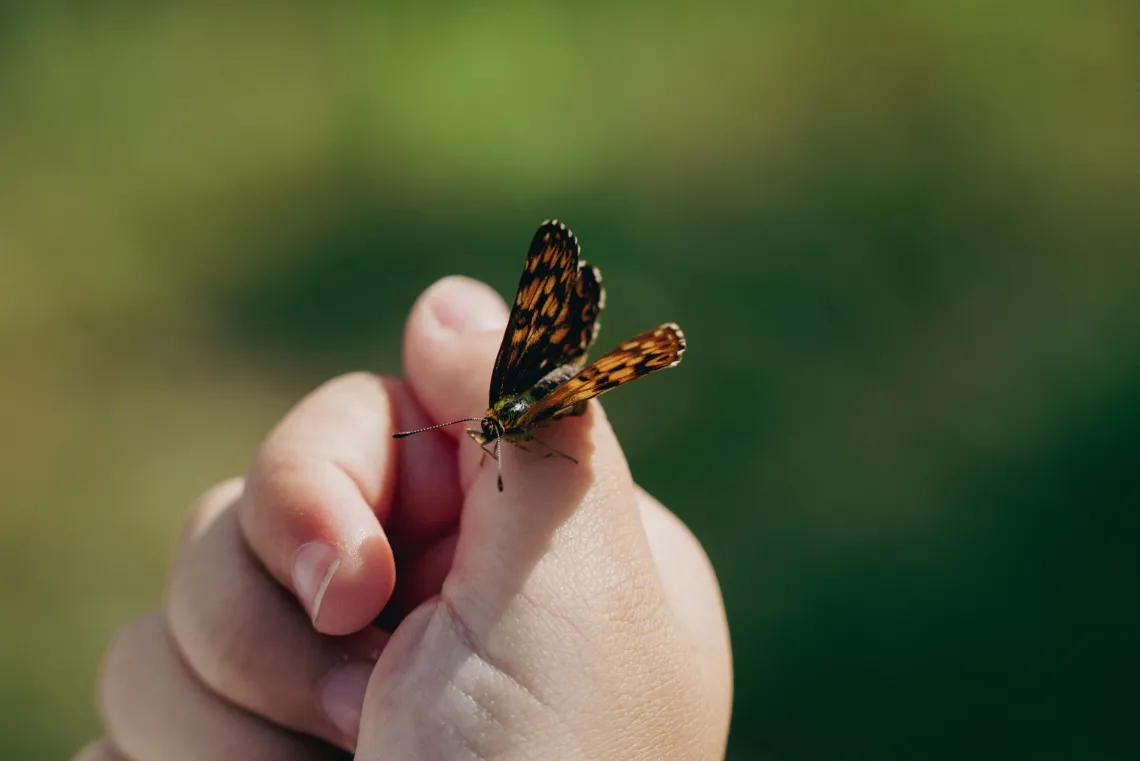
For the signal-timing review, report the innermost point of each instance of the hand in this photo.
(570, 616)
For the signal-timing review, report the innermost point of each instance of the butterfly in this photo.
(540, 372)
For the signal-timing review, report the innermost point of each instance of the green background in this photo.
(902, 239)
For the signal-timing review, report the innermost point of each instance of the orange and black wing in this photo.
(641, 355)
(539, 334)
(573, 336)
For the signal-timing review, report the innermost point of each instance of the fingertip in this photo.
(344, 589)
(450, 340)
(455, 305)
(312, 529)
(315, 497)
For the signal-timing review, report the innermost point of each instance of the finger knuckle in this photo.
(124, 665)
(214, 630)
(223, 663)
(208, 507)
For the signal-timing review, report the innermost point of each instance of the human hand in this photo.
(570, 616)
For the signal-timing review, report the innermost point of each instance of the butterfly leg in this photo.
(477, 437)
(553, 451)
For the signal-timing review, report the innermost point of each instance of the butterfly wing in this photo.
(554, 316)
(641, 355)
(573, 336)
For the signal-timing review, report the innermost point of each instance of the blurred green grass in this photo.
(903, 242)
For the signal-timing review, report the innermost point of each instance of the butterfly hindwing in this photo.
(575, 334)
(579, 329)
(641, 355)
(540, 312)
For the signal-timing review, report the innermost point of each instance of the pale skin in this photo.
(571, 616)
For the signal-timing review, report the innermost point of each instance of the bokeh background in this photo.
(903, 240)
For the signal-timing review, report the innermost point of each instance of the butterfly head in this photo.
(491, 427)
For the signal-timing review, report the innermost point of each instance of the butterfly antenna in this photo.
(499, 457)
(433, 427)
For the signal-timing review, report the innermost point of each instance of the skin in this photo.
(571, 616)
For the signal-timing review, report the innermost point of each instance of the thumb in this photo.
(552, 586)
(551, 509)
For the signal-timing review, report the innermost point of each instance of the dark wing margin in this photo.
(539, 311)
(641, 355)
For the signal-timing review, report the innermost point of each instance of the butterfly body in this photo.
(506, 418)
(540, 372)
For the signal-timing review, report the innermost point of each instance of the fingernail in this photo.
(342, 696)
(314, 566)
(461, 305)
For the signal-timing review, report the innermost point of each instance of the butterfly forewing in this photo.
(539, 312)
(641, 355)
